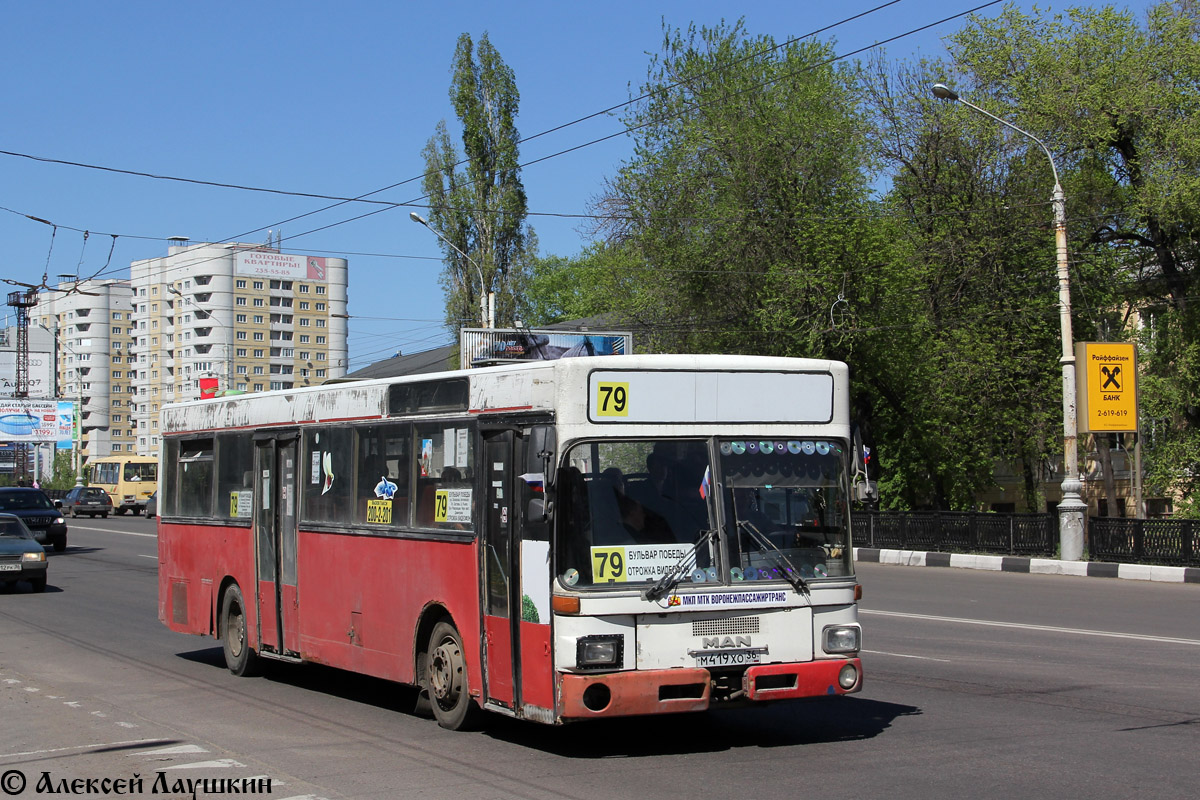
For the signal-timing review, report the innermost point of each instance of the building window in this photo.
(320, 306)
(258, 302)
(258, 336)
(259, 354)
(241, 317)
(241, 335)
(239, 284)
(241, 301)
(304, 322)
(320, 323)
(304, 288)
(258, 285)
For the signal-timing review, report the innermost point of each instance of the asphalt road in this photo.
(979, 685)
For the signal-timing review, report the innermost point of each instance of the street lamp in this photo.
(215, 321)
(484, 294)
(1070, 510)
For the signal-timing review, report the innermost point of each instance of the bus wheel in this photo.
(446, 680)
(239, 656)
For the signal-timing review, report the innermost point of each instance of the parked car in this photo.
(21, 557)
(152, 505)
(90, 500)
(43, 518)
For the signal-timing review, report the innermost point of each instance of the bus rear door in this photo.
(275, 487)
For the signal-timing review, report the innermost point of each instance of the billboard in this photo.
(1106, 387)
(482, 346)
(41, 380)
(29, 420)
(283, 266)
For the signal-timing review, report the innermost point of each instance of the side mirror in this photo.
(543, 442)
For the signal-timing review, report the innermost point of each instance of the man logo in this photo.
(722, 642)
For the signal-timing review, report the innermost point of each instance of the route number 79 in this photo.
(612, 399)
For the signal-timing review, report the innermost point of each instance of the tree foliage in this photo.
(777, 203)
(480, 209)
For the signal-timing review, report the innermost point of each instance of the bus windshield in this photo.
(762, 510)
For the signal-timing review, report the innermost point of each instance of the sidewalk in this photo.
(1039, 566)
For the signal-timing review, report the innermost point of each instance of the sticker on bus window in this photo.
(612, 399)
(452, 505)
(379, 512)
(632, 563)
(241, 504)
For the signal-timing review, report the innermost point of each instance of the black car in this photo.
(90, 500)
(38, 512)
(21, 558)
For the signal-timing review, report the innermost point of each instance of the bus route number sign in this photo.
(612, 399)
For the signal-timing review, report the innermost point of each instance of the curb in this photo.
(1037, 566)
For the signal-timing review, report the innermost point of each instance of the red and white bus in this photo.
(555, 541)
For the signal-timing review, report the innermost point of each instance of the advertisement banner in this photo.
(498, 345)
(28, 420)
(41, 381)
(284, 266)
(68, 424)
(208, 388)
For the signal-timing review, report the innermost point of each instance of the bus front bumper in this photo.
(669, 691)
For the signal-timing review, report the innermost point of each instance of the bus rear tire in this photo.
(240, 657)
(446, 680)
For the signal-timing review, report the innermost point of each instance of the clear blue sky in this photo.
(329, 98)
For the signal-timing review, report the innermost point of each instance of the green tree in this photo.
(1119, 101)
(481, 209)
(741, 206)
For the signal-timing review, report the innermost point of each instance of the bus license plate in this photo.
(10, 567)
(726, 659)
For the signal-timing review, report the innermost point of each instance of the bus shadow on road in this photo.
(782, 724)
(787, 723)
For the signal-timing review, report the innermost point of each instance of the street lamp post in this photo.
(484, 294)
(1070, 510)
(228, 330)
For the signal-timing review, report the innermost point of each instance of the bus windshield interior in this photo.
(729, 511)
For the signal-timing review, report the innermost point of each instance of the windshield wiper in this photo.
(667, 583)
(790, 573)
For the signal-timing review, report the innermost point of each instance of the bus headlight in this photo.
(841, 639)
(599, 652)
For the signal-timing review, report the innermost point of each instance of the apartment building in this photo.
(234, 318)
(91, 323)
(223, 317)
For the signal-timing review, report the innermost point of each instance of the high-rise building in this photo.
(234, 317)
(92, 325)
(225, 317)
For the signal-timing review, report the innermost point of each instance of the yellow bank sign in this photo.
(1106, 376)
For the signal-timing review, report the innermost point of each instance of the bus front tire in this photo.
(239, 655)
(446, 680)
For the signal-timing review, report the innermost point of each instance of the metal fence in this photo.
(1173, 542)
(958, 532)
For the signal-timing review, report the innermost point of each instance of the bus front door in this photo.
(501, 639)
(516, 578)
(275, 470)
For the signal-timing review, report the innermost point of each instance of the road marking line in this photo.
(905, 655)
(143, 555)
(1045, 628)
(220, 763)
(107, 530)
(78, 747)
(183, 748)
